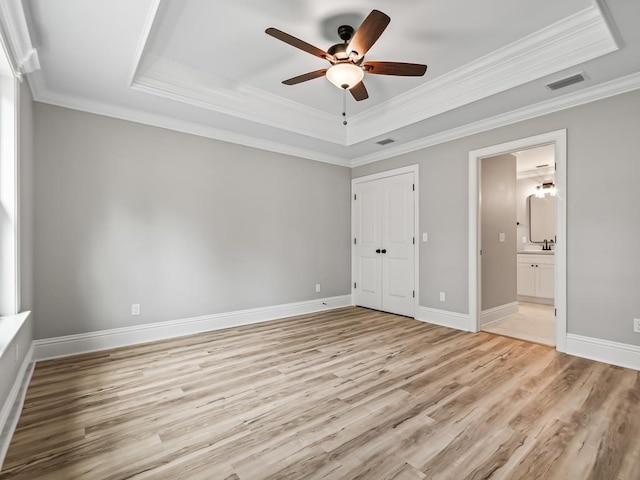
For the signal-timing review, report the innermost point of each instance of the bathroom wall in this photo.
(498, 230)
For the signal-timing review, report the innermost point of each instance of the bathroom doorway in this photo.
(517, 224)
(530, 301)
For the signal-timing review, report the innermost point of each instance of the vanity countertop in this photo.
(536, 252)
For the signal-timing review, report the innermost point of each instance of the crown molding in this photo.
(168, 79)
(573, 40)
(14, 25)
(162, 121)
(147, 28)
(174, 81)
(598, 92)
(581, 97)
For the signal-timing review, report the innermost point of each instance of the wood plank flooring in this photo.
(344, 394)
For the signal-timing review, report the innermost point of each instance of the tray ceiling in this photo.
(207, 69)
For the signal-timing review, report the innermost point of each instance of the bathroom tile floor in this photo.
(534, 323)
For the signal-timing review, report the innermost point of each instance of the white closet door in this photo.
(398, 241)
(384, 248)
(368, 238)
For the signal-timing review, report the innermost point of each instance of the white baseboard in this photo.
(614, 353)
(498, 313)
(121, 337)
(444, 318)
(12, 408)
(540, 300)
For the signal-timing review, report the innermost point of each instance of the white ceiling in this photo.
(208, 68)
(539, 159)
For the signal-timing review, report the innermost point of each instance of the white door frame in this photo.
(376, 176)
(559, 139)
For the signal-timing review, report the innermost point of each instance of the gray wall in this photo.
(498, 215)
(602, 209)
(183, 225)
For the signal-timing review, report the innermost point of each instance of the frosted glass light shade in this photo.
(343, 74)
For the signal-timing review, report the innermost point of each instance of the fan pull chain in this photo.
(344, 106)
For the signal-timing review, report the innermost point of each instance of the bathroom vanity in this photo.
(536, 282)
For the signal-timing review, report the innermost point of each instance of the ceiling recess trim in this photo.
(24, 57)
(178, 125)
(174, 81)
(570, 100)
(564, 44)
(152, 13)
(578, 38)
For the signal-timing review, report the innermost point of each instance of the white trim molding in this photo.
(498, 313)
(564, 44)
(415, 170)
(614, 353)
(121, 337)
(167, 79)
(14, 24)
(152, 13)
(575, 99)
(177, 125)
(444, 318)
(571, 41)
(559, 139)
(10, 411)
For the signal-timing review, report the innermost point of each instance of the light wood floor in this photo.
(534, 322)
(347, 394)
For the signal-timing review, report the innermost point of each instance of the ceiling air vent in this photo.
(565, 82)
(386, 141)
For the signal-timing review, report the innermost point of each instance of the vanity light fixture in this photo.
(547, 188)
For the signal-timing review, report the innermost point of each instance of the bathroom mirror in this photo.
(542, 218)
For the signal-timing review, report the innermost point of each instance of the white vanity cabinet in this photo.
(536, 277)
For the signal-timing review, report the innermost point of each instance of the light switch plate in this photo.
(424, 237)
(501, 237)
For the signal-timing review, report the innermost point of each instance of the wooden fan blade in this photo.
(359, 91)
(296, 42)
(305, 77)
(395, 68)
(368, 33)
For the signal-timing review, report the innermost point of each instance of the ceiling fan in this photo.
(347, 59)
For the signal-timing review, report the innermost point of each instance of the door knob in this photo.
(378, 251)
(384, 250)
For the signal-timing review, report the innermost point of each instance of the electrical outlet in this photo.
(317, 287)
(135, 309)
(442, 296)
(636, 325)
(425, 237)
(524, 239)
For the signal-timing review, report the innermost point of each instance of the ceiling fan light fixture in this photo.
(345, 75)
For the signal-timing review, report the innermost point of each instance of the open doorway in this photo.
(557, 141)
(517, 225)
